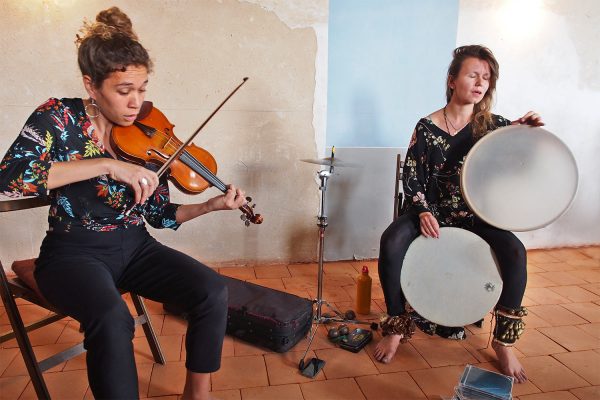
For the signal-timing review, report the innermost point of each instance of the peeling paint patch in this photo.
(295, 15)
(313, 14)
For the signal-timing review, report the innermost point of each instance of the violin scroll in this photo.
(248, 215)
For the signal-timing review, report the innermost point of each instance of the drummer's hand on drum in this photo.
(429, 225)
(531, 118)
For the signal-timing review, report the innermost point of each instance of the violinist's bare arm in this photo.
(64, 173)
(232, 199)
(143, 181)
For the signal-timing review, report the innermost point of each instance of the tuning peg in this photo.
(247, 223)
(248, 199)
(244, 217)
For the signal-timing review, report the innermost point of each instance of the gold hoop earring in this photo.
(94, 107)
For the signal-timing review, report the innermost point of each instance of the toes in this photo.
(522, 376)
(380, 356)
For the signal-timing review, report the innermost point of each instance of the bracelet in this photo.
(402, 325)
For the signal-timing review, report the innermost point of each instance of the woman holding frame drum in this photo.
(433, 198)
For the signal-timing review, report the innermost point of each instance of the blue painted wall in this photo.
(387, 67)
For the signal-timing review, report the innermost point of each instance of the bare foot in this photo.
(386, 348)
(509, 364)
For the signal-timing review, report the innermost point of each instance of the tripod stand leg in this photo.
(342, 318)
(313, 332)
(314, 365)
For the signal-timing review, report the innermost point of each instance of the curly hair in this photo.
(482, 116)
(109, 45)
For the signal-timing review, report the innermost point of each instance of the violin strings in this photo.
(191, 159)
(211, 177)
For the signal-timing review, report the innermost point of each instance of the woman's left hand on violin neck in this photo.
(233, 199)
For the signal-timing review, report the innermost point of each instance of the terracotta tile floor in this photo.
(560, 348)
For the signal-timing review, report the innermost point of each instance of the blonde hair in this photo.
(482, 115)
(109, 44)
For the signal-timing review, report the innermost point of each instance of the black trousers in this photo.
(509, 251)
(81, 274)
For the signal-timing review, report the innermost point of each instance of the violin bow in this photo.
(178, 152)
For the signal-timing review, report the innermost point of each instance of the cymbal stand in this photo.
(319, 318)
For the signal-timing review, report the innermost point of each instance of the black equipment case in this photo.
(267, 317)
(263, 316)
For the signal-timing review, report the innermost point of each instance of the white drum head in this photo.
(453, 280)
(519, 178)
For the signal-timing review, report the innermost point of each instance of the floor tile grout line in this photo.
(360, 388)
(566, 366)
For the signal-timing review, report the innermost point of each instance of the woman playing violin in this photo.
(97, 242)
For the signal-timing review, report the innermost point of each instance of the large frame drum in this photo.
(453, 280)
(519, 178)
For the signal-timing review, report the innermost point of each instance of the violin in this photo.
(191, 168)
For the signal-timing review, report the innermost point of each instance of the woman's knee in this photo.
(112, 321)
(398, 233)
(515, 251)
(210, 294)
(219, 295)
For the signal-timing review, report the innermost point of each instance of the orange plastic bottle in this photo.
(363, 292)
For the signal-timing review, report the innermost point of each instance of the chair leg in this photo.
(140, 308)
(18, 327)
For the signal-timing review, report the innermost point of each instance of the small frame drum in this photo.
(453, 280)
(519, 178)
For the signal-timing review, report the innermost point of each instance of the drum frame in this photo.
(469, 201)
(418, 278)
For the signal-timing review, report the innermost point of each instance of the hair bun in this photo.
(109, 23)
(116, 18)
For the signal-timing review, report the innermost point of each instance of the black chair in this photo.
(24, 286)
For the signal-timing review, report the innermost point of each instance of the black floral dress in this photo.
(432, 172)
(59, 130)
(431, 181)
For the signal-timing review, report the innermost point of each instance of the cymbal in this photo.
(330, 162)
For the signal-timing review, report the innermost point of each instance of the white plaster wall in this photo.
(201, 49)
(313, 14)
(360, 202)
(549, 62)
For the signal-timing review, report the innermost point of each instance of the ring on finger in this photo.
(144, 181)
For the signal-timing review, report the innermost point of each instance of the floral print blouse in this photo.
(60, 130)
(431, 175)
